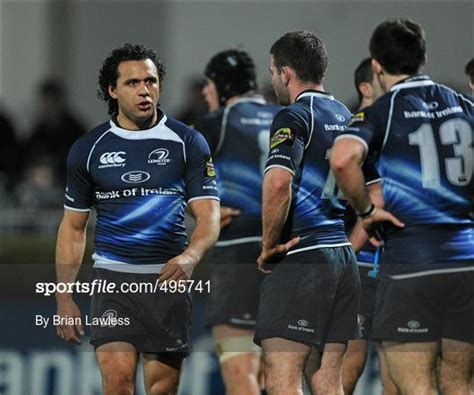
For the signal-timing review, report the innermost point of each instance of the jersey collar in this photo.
(316, 93)
(138, 134)
(412, 82)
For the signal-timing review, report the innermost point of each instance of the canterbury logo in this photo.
(111, 158)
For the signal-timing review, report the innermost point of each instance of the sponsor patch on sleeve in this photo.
(282, 135)
(209, 166)
(359, 117)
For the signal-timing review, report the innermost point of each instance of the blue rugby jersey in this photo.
(238, 136)
(139, 183)
(302, 135)
(421, 137)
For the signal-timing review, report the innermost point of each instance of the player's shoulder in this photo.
(187, 134)
(294, 112)
(87, 141)
(448, 92)
(208, 121)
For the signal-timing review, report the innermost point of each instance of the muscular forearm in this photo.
(204, 236)
(346, 159)
(351, 181)
(70, 247)
(276, 204)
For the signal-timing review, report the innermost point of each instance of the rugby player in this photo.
(309, 301)
(368, 90)
(237, 132)
(139, 170)
(421, 135)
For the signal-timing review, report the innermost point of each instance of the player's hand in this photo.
(179, 268)
(227, 214)
(67, 308)
(372, 225)
(268, 253)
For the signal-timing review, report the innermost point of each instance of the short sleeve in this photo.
(79, 187)
(200, 176)
(288, 136)
(371, 174)
(365, 127)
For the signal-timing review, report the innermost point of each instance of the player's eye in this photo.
(132, 83)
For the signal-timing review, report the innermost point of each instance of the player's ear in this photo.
(112, 91)
(377, 67)
(286, 75)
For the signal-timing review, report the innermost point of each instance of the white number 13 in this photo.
(455, 132)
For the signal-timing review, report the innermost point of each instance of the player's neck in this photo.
(365, 103)
(296, 89)
(234, 98)
(390, 80)
(126, 123)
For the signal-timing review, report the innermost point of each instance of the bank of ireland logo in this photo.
(303, 323)
(340, 118)
(112, 159)
(159, 157)
(413, 324)
(135, 177)
(109, 319)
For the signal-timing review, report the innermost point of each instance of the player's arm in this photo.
(276, 204)
(70, 247)
(359, 236)
(287, 142)
(347, 155)
(203, 201)
(206, 212)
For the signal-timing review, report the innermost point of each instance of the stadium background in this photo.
(67, 41)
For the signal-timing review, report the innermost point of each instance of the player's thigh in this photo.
(161, 372)
(327, 365)
(457, 361)
(117, 363)
(284, 357)
(411, 364)
(389, 387)
(355, 356)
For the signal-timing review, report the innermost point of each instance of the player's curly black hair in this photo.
(399, 46)
(304, 52)
(109, 71)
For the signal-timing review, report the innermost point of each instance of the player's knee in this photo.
(164, 386)
(119, 382)
(327, 383)
(241, 367)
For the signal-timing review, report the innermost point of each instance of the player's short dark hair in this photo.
(363, 73)
(469, 70)
(109, 71)
(233, 73)
(399, 46)
(304, 52)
